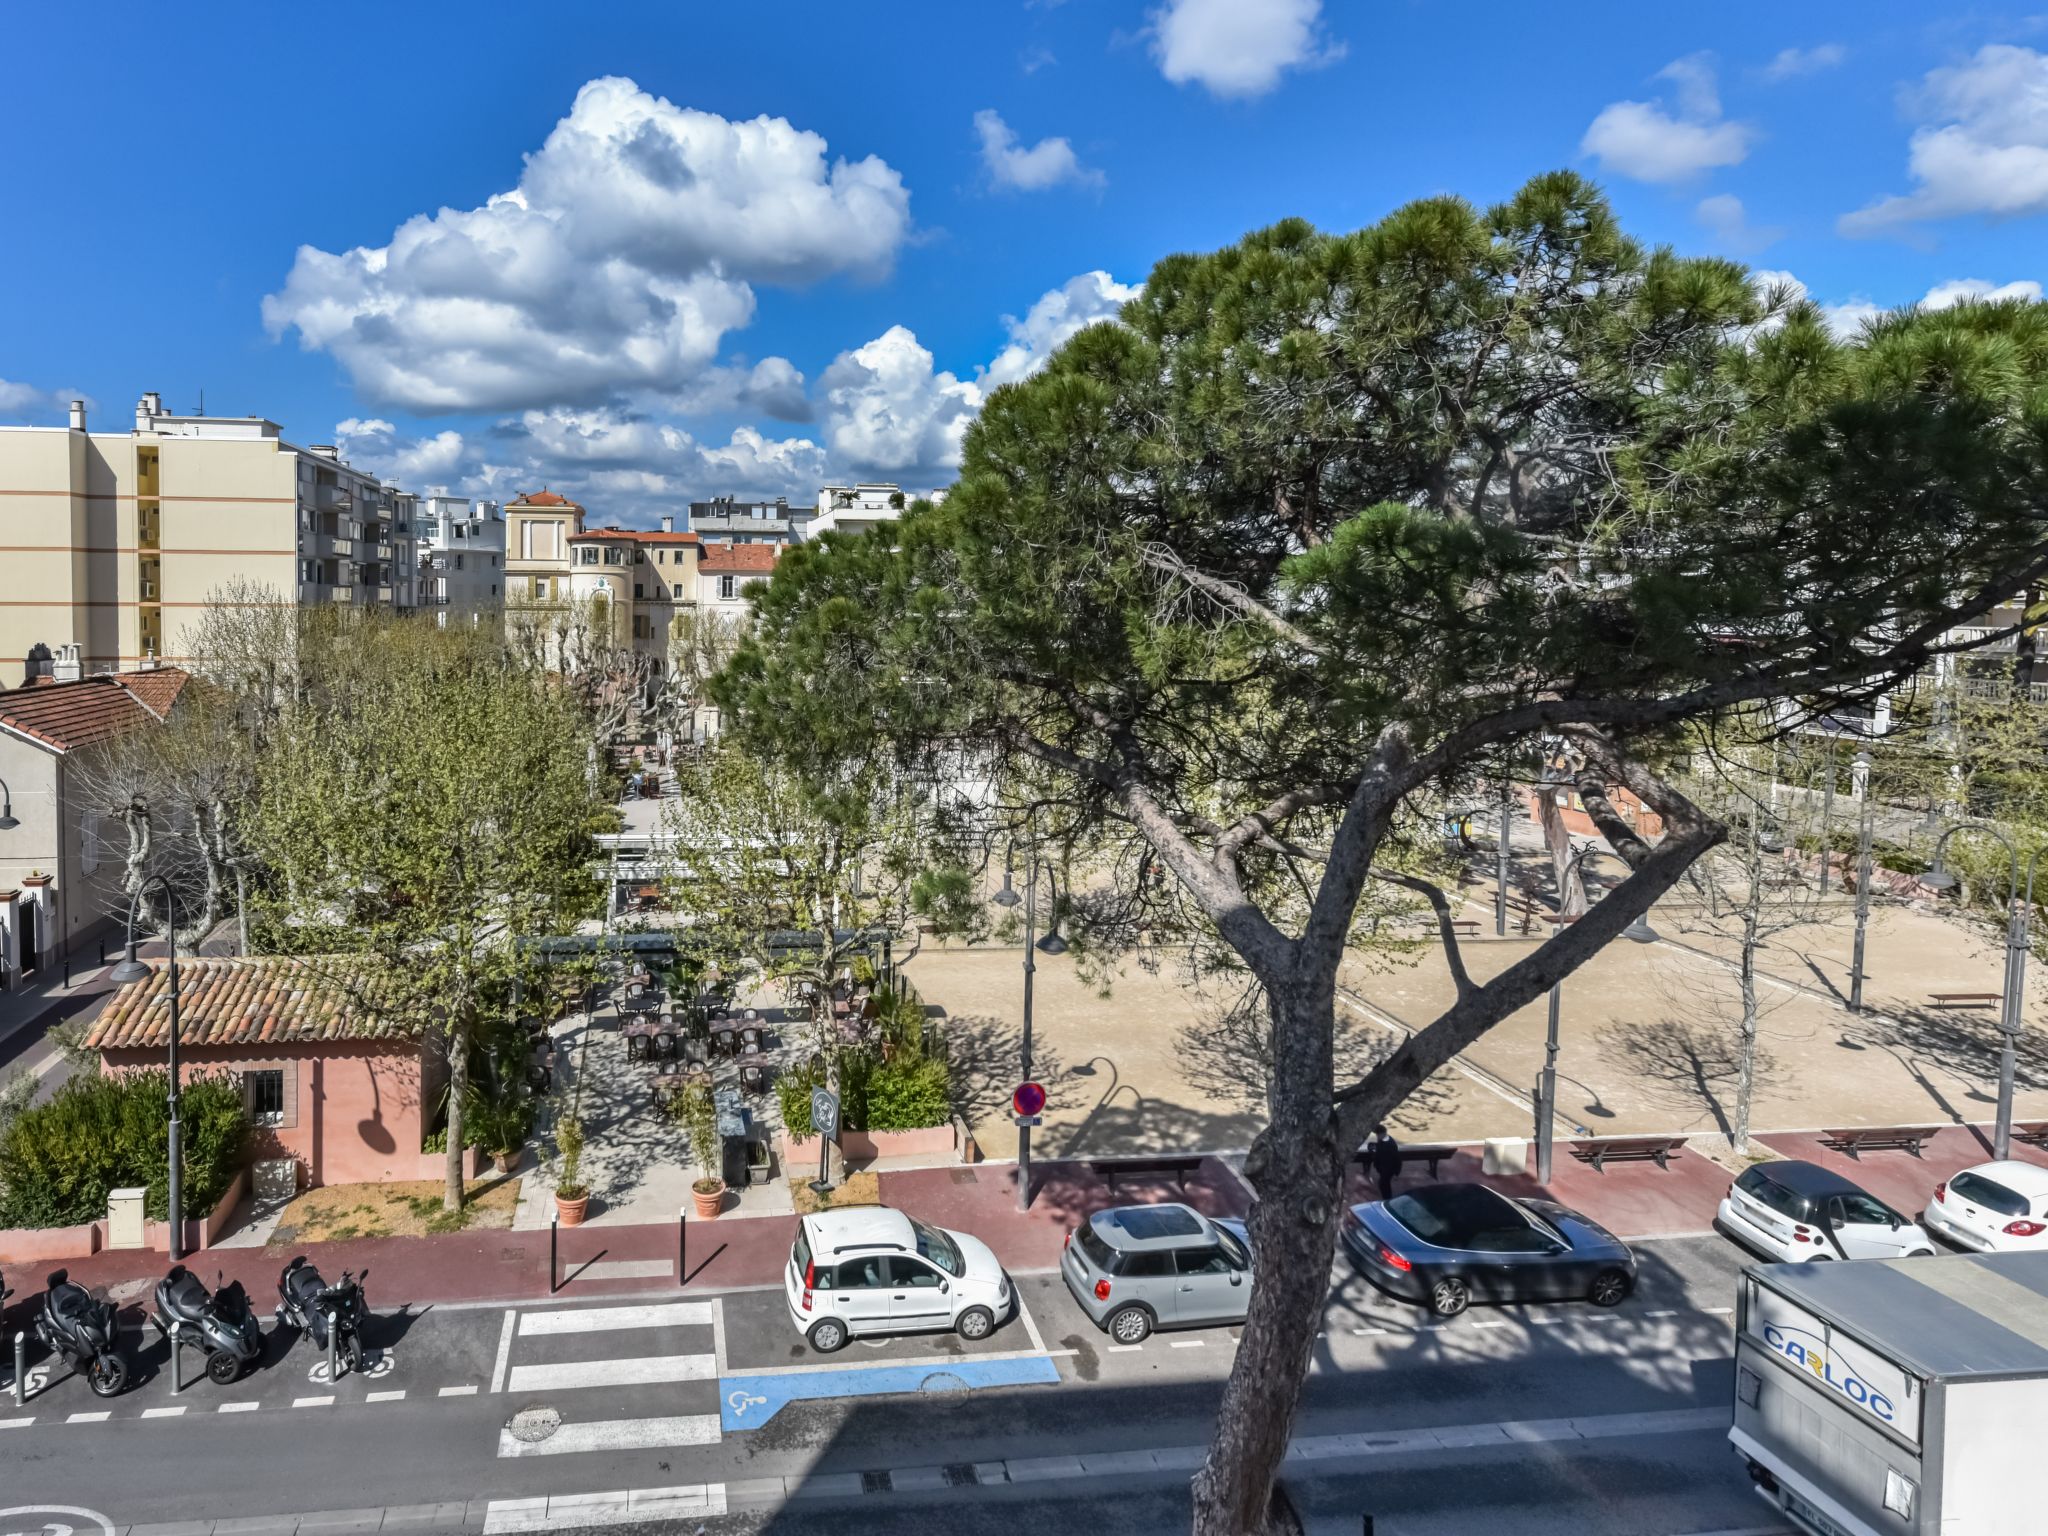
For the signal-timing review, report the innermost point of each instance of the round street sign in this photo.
(1029, 1099)
(824, 1111)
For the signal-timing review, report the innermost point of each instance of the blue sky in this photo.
(650, 252)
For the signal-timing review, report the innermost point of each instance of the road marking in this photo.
(616, 1435)
(626, 1506)
(238, 1407)
(1366, 1333)
(1030, 1327)
(16, 1423)
(1124, 1349)
(669, 1314)
(504, 1351)
(622, 1269)
(91, 1418)
(313, 1402)
(648, 1370)
(1664, 1312)
(1494, 1325)
(468, 1391)
(1188, 1343)
(1718, 1311)
(941, 1362)
(385, 1397)
(718, 1332)
(163, 1413)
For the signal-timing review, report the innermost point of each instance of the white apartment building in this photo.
(856, 508)
(749, 522)
(462, 558)
(117, 542)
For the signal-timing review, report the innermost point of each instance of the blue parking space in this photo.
(748, 1402)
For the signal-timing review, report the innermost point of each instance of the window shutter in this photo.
(290, 1118)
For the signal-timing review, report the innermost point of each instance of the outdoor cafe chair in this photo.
(753, 1077)
(636, 1047)
(750, 1038)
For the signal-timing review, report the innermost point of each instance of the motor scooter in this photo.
(321, 1311)
(219, 1322)
(79, 1329)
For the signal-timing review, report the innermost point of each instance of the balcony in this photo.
(332, 498)
(1980, 637)
(147, 589)
(341, 594)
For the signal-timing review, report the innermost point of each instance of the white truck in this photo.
(1904, 1397)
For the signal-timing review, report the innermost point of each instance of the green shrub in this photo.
(98, 1133)
(698, 1113)
(907, 1093)
(793, 1092)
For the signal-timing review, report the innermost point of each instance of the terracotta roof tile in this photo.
(67, 716)
(546, 498)
(719, 558)
(252, 1000)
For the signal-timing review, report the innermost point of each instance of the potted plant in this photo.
(694, 1107)
(497, 1115)
(572, 1195)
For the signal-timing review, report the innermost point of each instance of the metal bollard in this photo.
(554, 1263)
(67, 973)
(333, 1339)
(103, 951)
(20, 1368)
(1368, 1524)
(682, 1246)
(177, 1359)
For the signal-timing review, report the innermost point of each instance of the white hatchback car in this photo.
(1992, 1208)
(874, 1270)
(1802, 1213)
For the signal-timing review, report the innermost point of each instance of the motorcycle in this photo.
(315, 1307)
(80, 1331)
(221, 1323)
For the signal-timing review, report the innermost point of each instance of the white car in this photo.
(1993, 1208)
(874, 1270)
(1802, 1213)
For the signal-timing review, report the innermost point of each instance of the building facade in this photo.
(749, 522)
(462, 559)
(118, 542)
(628, 583)
(61, 863)
(856, 508)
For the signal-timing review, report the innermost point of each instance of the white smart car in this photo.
(1802, 1213)
(874, 1270)
(1992, 1208)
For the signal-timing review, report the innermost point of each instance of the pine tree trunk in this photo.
(1297, 1169)
(458, 1084)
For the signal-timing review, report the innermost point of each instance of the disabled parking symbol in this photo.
(53, 1520)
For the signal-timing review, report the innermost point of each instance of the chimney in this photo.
(66, 668)
(668, 524)
(78, 415)
(147, 409)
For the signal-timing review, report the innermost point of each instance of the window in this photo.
(265, 1093)
(1767, 1192)
(1099, 1253)
(540, 587)
(1233, 1250)
(1863, 1210)
(910, 1272)
(494, 589)
(728, 586)
(1201, 1261)
(1153, 1264)
(639, 592)
(936, 1246)
(1992, 1196)
(613, 556)
(458, 562)
(587, 555)
(868, 1274)
(639, 556)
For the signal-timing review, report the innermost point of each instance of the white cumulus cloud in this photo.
(35, 406)
(1239, 47)
(1981, 147)
(1847, 318)
(1650, 141)
(1057, 315)
(1047, 163)
(621, 260)
(1724, 215)
(1791, 63)
(887, 407)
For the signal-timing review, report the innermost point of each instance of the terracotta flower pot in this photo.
(571, 1211)
(709, 1202)
(506, 1162)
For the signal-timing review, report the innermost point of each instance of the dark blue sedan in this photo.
(1450, 1245)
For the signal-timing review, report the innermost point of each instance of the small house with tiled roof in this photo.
(332, 1082)
(59, 877)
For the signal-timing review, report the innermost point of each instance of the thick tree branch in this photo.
(1445, 924)
(1228, 594)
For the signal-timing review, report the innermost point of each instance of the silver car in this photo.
(1139, 1267)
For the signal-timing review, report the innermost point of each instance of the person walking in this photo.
(1386, 1160)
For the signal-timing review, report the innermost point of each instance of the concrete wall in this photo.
(352, 1109)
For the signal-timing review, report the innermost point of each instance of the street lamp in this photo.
(2013, 999)
(131, 970)
(1500, 858)
(7, 821)
(1050, 944)
(1639, 932)
(1863, 833)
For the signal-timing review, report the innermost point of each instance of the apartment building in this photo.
(631, 580)
(462, 558)
(749, 522)
(856, 508)
(117, 542)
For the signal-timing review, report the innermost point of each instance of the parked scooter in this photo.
(221, 1323)
(80, 1331)
(316, 1308)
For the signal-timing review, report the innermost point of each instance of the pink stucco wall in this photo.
(357, 1112)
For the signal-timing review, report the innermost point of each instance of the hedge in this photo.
(905, 1093)
(97, 1133)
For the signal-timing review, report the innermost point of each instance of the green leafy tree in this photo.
(434, 798)
(1329, 526)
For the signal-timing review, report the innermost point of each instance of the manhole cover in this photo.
(530, 1426)
(942, 1381)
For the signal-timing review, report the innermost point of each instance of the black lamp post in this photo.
(132, 970)
(2012, 1000)
(1051, 944)
(7, 821)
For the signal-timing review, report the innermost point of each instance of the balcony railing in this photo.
(148, 591)
(341, 594)
(1972, 634)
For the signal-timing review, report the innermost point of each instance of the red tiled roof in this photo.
(546, 498)
(632, 535)
(718, 559)
(259, 1000)
(67, 716)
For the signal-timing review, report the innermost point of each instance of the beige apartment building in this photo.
(117, 542)
(637, 578)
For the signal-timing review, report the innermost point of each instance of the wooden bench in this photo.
(1877, 1138)
(1430, 1154)
(1966, 999)
(1465, 927)
(1602, 1150)
(2034, 1134)
(1179, 1167)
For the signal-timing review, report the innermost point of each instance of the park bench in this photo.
(1966, 999)
(1877, 1138)
(1465, 927)
(1179, 1167)
(2034, 1133)
(1431, 1155)
(1602, 1150)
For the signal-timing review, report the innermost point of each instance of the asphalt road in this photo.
(711, 1411)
